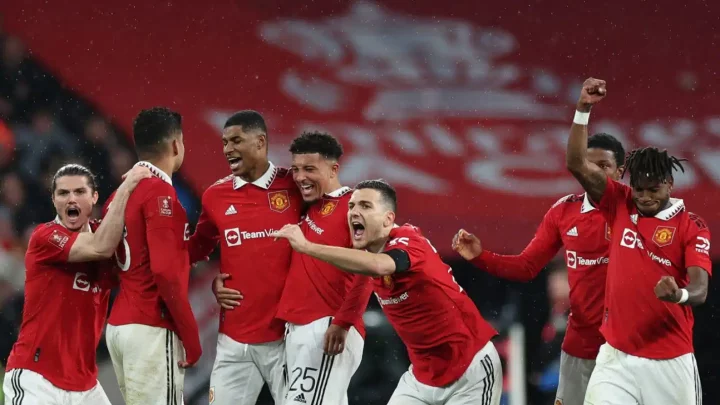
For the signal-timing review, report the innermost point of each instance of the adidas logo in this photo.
(231, 210)
(300, 398)
(572, 232)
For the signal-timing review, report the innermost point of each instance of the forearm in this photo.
(175, 297)
(698, 287)
(515, 268)
(352, 260)
(355, 302)
(110, 232)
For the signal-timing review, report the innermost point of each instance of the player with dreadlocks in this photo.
(659, 267)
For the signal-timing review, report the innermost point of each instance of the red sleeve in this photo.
(168, 265)
(615, 193)
(206, 235)
(355, 302)
(52, 244)
(528, 264)
(415, 245)
(697, 245)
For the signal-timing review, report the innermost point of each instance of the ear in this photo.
(175, 147)
(621, 170)
(335, 168)
(389, 219)
(261, 141)
(95, 197)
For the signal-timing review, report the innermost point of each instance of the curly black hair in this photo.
(609, 143)
(153, 127)
(317, 142)
(652, 164)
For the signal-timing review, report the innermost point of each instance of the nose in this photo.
(299, 176)
(227, 149)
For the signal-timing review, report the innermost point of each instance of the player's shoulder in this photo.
(283, 180)
(220, 185)
(406, 231)
(50, 232)
(570, 199)
(153, 186)
(696, 220)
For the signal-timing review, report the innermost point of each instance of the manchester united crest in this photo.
(328, 207)
(608, 231)
(663, 235)
(388, 281)
(279, 200)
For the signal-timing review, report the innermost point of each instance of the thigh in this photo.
(113, 345)
(29, 388)
(482, 382)
(270, 360)
(410, 392)
(315, 377)
(669, 382)
(235, 379)
(150, 357)
(611, 383)
(574, 377)
(95, 396)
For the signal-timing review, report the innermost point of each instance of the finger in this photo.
(229, 292)
(230, 297)
(223, 276)
(226, 306)
(183, 364)
(326, 344)
(339, 348)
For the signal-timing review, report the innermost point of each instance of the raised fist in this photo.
(667, 289)
(593, 90)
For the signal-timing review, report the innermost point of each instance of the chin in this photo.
(359, 244)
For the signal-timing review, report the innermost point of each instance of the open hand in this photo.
(294, 235)
(467, 245)
(227, 298)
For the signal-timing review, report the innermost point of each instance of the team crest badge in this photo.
(388, 281)
(608, 231)
(328, 207)
(211, 395)
(279, 200)
(663, 235)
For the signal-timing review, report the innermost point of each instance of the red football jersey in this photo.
(642, 250)
(152, 260)
(242, 217)
(439, 324)
(315, 289)
(575, 223)
(64, 311)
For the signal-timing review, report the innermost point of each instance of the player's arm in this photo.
(591, 177)
(699, 268)
(166, 264)
(206, 235)
(523, 267)
(350, 260)
(102, 243)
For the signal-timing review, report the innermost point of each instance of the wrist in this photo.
(581, 118)
(583, 107)
(683, 296)
(308, 248)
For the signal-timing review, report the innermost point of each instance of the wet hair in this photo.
(652, 164)
(152, 128)
(317, 142)
(609, 143)
(388, 193)
(74, 170)
(249, 120)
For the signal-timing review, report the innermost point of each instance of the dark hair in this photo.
(652, 164)
(153, 127)
(317, 142)
(247, 119)
(388, 193)
(74, 170)
(609, 143)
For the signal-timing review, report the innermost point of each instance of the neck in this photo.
(378, 245)
(164, 164)
(256, 172)
(333, 186)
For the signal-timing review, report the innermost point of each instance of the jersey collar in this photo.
(155, 171)
(676, 206)
(59, 222)
(263, 182)
(339, 192)
(586, 206)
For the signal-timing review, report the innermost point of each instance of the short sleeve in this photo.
(615, 193)
(51, 244)
(158, 208)
(697, 247)
(415, 246)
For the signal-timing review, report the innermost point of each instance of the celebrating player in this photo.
(453, 359)
(241, 211)
(572, 222)
(659, 267)
(152, 309)
(66, 296)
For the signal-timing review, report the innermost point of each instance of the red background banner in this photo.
(464, 108)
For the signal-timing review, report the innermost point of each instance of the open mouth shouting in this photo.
(358, 229)
(235, 163)
(72, 214)
(307, 189)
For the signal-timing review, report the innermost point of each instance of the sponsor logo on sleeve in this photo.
(58, 239)
(165, 206)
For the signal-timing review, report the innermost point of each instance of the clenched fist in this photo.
(667, 290)
(467, 245)
(593, 90)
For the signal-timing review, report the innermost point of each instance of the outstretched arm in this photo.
(591, 177)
